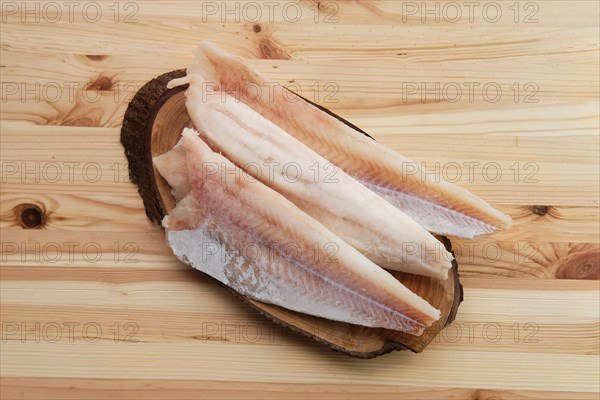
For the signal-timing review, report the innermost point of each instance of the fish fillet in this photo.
(381, 232)
(258, 243)
(437, 205)
(173, 166)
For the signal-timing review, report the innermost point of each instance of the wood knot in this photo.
(100, 84)
(96, 57)
(256, 28)
(269, 50)
(321, 6)
(81, 115)
(580, 265)
(30, 216)
(540, 210)
(482, 395)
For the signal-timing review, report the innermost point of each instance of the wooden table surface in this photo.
(501, 97)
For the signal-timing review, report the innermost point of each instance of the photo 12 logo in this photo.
(69, 11)
(70, 252)
(70, 92)
(485, 332)
(270, 91)
(454, 92)
(270, 11)
(63, 172)
(469, 11)
(68, 331)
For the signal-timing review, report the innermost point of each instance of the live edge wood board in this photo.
(153, 124)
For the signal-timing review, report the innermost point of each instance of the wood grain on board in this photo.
(529, 326)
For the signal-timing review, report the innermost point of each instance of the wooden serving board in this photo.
(529, 324)
(152, 126)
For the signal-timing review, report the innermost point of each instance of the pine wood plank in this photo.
(522, 171)
(498, 318)
(78, 389)
(375, 52)
(183, 360)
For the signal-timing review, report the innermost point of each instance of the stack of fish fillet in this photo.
(287, 205)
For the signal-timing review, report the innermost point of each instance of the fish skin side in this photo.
(436, 204)
(232, 229)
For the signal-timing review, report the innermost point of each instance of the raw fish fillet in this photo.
(174, 164)
(258, 243)
(384, 234)
(437, 205)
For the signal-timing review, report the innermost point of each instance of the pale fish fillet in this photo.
(174, 164)
(258, 243)
(437, 205)
(359, 216)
